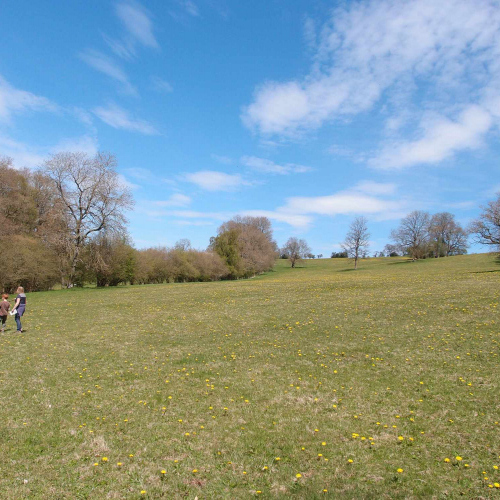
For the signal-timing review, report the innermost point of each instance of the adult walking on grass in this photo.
(20, 307)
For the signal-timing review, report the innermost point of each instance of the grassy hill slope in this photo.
(312, 382)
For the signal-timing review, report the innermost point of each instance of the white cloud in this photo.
(85, 144)
(268, 166)
(107, 66)
(365, 198)
(137, 21)
(161, 85)
(117, 117)
(375, 188)
(441, 138)
(123, 49)
(222, 159)
(342, 203)
(190, 7)
(418, 54)
(176, 200)
(293, 219)
(22, 154)
(13, 100)
(215, 181)
(126, 183)
(25, 155)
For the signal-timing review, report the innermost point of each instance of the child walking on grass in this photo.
(20, 307)
(4, 310)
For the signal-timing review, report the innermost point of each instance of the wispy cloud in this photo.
(107, 66)
(225, 160)
(119, 118)
(176, 200)
(190, 7)
(161, 85)
(268, 166)
(14, 100)
(29, 156)
(137, 21)
(85, 144)
(369, 50)
(22, 154)
(210, 180)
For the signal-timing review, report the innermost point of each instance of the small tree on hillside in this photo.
(295, 250)
(357, 240)
(486, 227)
(412, 235)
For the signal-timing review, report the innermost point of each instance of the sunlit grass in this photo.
(312, 382)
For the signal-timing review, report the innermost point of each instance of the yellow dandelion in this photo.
(400, 470)
(298, 476)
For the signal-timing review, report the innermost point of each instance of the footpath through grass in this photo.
(317, 382)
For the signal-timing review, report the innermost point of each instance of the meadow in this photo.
(314, 382)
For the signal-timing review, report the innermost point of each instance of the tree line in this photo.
(66, 223)
(421, 235)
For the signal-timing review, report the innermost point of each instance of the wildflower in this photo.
(119, 464)
(350, 461)
(400, 438)
(458, 459)
(163, 471)
(298, 476)
(400, 470)
(143, 492)
(195, 471)
(104, 459)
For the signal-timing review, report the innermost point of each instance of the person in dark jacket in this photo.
(20, 307)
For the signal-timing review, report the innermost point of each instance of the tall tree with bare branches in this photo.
(356, 242)
(412, 235)
(487, 226)
(92, 196)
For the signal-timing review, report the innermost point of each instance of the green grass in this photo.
(225, 378)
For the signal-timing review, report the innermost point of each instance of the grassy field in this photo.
(316, 382)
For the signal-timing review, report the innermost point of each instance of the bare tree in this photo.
(446, 235)
(357, 239)
(295, 250)
(92, 196)
(487, 226)
(412, 235)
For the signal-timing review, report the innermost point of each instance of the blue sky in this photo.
(309, 112)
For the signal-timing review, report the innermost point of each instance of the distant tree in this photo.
(225, 244)
(295, 249)
(183, 244)
(310, 256)
(320, 256)
(246, 244)
(447, 237)
(486, 227)
(357, 240)
(412, 235)
(339, 255)
(92, 196)
(391, 250)
(108, 260)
